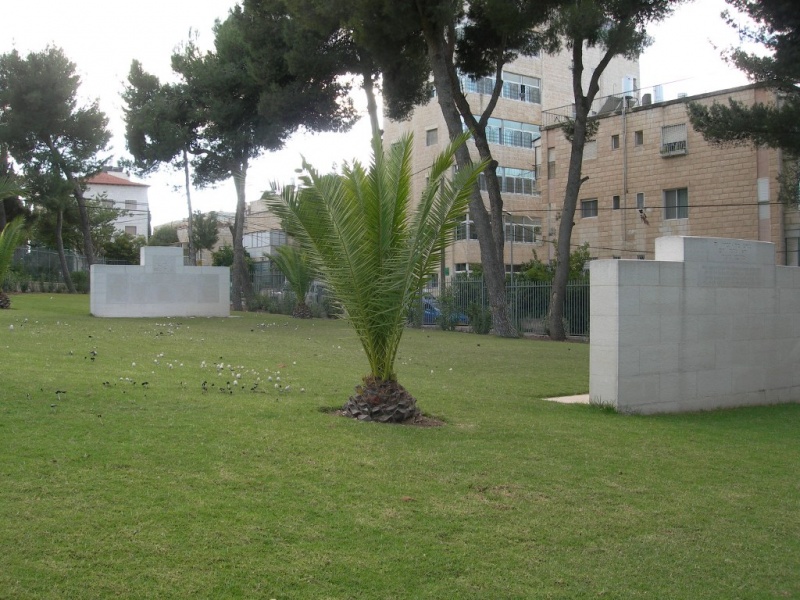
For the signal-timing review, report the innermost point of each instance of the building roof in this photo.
(109, 179)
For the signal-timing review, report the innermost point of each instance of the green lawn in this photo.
(120, 475)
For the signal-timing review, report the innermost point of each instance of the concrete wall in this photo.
(711, 323)
(160, 287)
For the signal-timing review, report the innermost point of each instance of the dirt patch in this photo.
(419, 421)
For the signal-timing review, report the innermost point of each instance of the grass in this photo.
(130, 480)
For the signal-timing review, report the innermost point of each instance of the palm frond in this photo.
(295, 266)
(372, 250)
(10, 238)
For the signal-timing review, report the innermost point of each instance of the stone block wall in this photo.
(711, 323)
(161, 286)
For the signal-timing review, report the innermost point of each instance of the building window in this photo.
(431, 137)
(511, 133)
(462, 268)
(551, 163)
(522, 230)
(676, 204)
(615, 203)
(277, 237)
(590, 150)
(466, 229)
(521, 87)
(615, 142)
(638, 138)
(512, 181)
(515, 87)
(673, 140)
(130, 229)
(640, 200)
(130, 204)
(588, 208)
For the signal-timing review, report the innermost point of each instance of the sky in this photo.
(106, 35)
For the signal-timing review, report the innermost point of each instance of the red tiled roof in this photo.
(109, 179)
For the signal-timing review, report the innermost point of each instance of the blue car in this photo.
(431, 313)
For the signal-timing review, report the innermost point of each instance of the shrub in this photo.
(480, 318)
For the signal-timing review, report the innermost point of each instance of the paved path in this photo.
(579, 399)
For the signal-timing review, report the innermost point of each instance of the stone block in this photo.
(160, 287)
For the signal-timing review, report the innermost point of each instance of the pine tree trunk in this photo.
(242, 287)
(189, 228)
(574, 181)
(62, 257)
(489, 228)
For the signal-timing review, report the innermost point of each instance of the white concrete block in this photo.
(636, 330)
(661, 299)
(161, 287)
(637, 272)
(670, 273)
(723, 330)
(605, 301)
(604, 272)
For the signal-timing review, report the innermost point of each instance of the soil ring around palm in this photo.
(420, 420)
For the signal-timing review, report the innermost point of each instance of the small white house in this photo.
(122, 193)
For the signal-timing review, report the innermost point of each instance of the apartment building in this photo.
(115, 187)
(648, 174)
(531, 85)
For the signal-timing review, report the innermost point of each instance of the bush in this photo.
(80, 279)
(448, 312)
(480, 318)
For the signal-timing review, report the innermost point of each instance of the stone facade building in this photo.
(118, 190)
(531, 86)
(649, 175)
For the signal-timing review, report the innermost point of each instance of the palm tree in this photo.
(11, 237)
(296, 267)
(375, 253)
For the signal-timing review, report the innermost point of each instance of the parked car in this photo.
(431, 313)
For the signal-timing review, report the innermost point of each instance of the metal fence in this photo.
(528, 302)
(39, 269)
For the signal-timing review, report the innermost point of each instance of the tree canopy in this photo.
(777, 29)
(43, 127)
(233, 103)
(616, 28)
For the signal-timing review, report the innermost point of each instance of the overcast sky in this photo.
(106, 35)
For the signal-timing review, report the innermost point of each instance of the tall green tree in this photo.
(124, 247)
(359, 38)
(477, 39)
(375, 253)
(616, 28)
(250, 102)
(166, 235)
(52, 197)
(777, 125)
(161, 125)
(41, 122)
